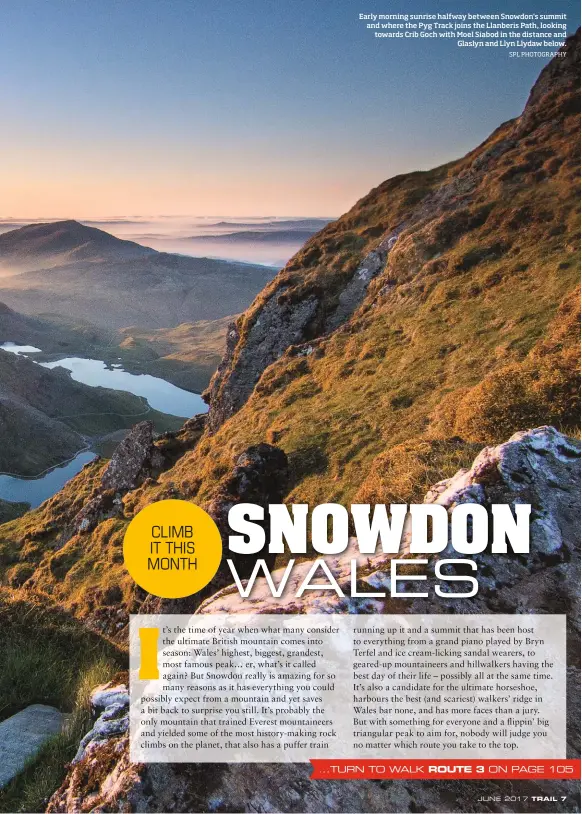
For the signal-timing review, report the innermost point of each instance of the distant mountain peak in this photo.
(54, 227)
(45, 245)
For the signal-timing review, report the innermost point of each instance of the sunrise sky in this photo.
(234, 107)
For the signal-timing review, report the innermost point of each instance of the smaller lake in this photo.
(159, 394)
(36, 490)
(12, 347)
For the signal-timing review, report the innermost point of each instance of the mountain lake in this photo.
(36, 490)
(159, 394)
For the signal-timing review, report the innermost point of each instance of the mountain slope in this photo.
(435, 317)
(82, 273)
(442, 307)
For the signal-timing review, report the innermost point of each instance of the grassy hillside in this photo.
(48, 658)
(186, 355)
(435, 317)
(467, 333)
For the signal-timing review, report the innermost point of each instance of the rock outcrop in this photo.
(135, 459)
(259, 476)
(354, 292)
(273, 330)
(100, 773)
(280, 324)
(138, 458)
(541, 467)
(23, 735)
(110, 708)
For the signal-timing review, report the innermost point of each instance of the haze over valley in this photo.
(81, 272)
(270, 241)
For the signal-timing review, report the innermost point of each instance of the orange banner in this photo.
(357, 769)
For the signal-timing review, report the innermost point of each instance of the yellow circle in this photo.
(172, 548)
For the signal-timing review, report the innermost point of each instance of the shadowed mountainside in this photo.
(53, 337)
